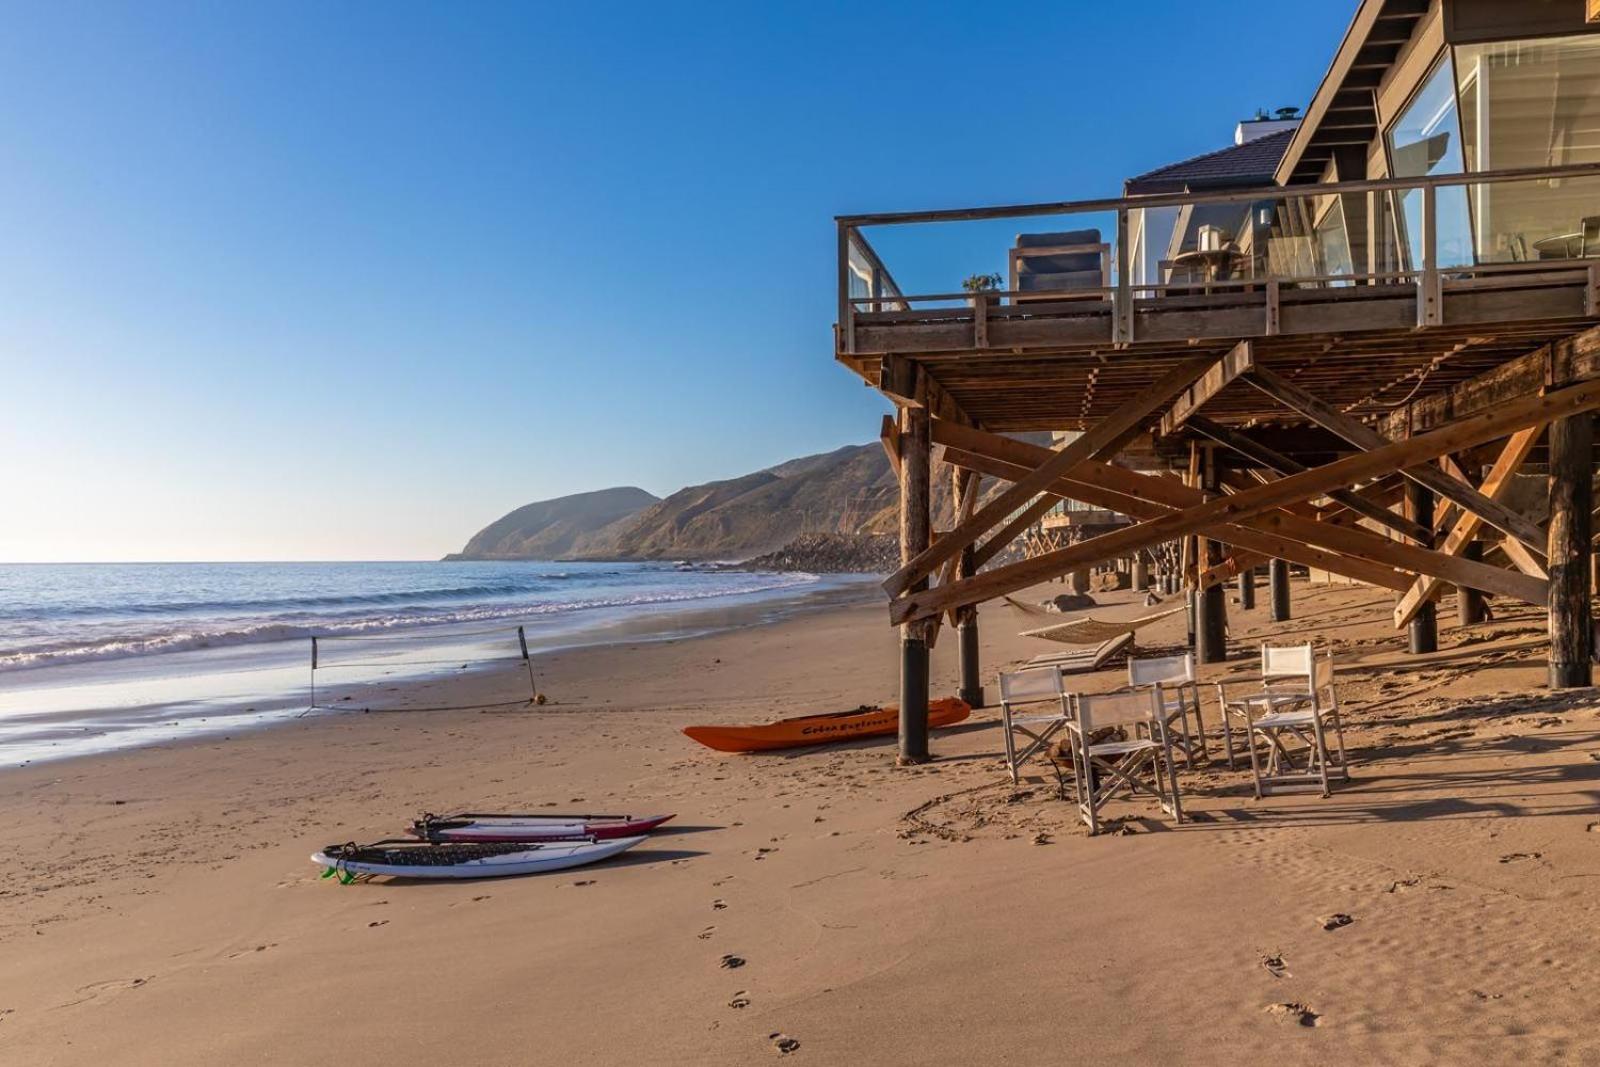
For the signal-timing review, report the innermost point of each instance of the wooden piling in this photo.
(1278, 579)
(1571, 443)
(915, 535)
(1211, 604)
(1423, 632)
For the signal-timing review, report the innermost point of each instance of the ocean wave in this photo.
(289, 603)
(219, 634)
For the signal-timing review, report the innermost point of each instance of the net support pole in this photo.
(522, 639)
(313, 671)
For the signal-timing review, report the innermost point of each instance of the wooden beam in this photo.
(1252, 449)
(1496, 486)
(1470, 432)
(1591, 11)
(889, 437)
(901, 380)
(1238, 360)
(1362, 436)
(1146, 497)
(1109, 432)
(1008, 533)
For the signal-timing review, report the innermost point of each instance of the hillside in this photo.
(848, 491)
(550, 529)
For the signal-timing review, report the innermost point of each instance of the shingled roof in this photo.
(1240, 166)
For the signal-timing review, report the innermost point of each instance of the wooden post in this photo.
(915, 536)
(1278, 578)
(965, 494)
(1571, 443)
(1469, 602)
(1211, 605)
(1247, 589)
(1424, 628)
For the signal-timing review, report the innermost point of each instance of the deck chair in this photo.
(1589, 240)
(1083, 660)
(1291, 713)
(1054, 264)
(1110, 759)
(1041, 690)
(1180, 694)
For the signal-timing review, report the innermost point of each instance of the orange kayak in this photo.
(865, 721)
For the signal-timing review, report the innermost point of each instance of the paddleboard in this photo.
(493, 827)
(415, 859)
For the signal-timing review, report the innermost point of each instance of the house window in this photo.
(1528, 104)
(1426, 140)
(1333, 241)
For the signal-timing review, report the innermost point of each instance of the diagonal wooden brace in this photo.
(1252, 449)
(1109, 432)
(1469, 432)
(1149, 497)
(1362, 436)
(1496, 486)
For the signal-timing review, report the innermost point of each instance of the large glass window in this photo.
(1425, 140)
(1333, 241)
(1533, 104)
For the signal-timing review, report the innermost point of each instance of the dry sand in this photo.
(158, 907)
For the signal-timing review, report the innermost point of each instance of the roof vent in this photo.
(1284, 118)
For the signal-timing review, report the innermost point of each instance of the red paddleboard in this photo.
(508, 828)
(866, 721)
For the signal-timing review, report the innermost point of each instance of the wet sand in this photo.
(157, 906)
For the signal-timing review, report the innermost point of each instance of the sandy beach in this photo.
(159, 906)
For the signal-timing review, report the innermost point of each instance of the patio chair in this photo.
(1109, 758)
(1589, 228)
(1040, 689)
(1053, 262)
(1180, 695)
(1297, 703)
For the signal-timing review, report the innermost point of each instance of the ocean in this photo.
(95, 657)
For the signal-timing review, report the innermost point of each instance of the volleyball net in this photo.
(449, 671)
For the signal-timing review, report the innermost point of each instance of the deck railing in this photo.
(1428, 233)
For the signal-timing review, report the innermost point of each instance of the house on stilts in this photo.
(1350, 342)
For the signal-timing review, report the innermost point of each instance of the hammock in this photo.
(1088, 631)
(1029, 609)
(1084, 660)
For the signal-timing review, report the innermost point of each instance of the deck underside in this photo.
(1055, 367)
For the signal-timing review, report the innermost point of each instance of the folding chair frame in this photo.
(1038, 729)
(1298, 712)
(1117, 765)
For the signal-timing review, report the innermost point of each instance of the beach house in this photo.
(1361, 340)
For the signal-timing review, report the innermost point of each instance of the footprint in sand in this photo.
(1275, 966)
(719, 905)
(1334, 921)
(783, 1043)
(1294, 1012)
(1513, 857)
(740, 1000)
(731, 962)
(705, 935)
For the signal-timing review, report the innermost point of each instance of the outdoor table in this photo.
(1214, 262)
(1560, 246)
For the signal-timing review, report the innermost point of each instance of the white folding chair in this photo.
(1042, 690)
(1108, 761)
(1291, 712)
(1180, 693)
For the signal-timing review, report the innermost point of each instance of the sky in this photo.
(350, 281)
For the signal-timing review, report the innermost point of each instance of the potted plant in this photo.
(979, 285)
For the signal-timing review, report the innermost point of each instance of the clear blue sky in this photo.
(348, 281)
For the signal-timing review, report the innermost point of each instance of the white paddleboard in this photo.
(468, 861)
